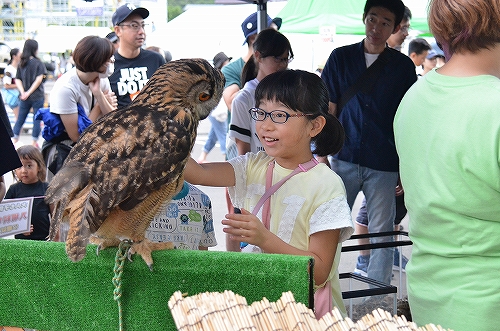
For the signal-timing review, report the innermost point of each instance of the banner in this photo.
(89, 7)
(15, 216)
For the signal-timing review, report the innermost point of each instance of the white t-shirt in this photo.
(68, 90)
(9, 74)
(242, 125)
(307, 203)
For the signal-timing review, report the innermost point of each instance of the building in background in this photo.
(23, 19)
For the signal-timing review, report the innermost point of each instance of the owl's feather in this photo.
(125, 165)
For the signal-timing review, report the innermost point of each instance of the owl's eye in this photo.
(204, 96)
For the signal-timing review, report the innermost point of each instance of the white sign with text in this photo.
(15, 216)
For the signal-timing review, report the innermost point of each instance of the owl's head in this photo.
(189, 84)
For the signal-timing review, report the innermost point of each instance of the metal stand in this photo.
(376, 288)
(395, 243)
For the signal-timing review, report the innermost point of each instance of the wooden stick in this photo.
(229, 311)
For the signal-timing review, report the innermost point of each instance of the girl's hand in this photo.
(95, 86)
(29, 233)
(245, 227)
(111, 97)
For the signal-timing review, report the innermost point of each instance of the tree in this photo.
(176, 7)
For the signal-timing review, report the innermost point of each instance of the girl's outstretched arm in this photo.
(322, 245)
(209, 174)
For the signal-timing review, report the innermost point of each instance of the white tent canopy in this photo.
(204, 30)
(59, 39)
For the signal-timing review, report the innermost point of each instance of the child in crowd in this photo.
(272, 53)
(186, 221)
(309, 214)
(31, 183)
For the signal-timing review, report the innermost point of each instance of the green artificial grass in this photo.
(40, 288)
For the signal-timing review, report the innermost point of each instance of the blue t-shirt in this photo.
(367, 118)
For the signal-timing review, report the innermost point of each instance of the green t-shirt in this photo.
(232, 72)
(447, 132)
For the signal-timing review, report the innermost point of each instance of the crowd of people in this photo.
(415, 133)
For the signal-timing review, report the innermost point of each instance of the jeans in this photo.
(24, 109)
(379, 190)
(218, 131)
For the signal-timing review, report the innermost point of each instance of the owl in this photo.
(131, 161)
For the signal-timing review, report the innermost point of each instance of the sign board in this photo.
(15, 216)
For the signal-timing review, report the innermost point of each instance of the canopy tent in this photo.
(204, 30)
(59, 39)
(308, 16)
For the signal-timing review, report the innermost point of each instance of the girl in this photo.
(29, 78)
(272, 53)
(86, 85)
(309, 214)
(10, 92)
(31, 183)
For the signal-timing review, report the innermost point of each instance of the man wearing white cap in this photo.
(133, 65)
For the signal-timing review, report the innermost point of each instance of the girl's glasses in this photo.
(278, 59)
(277, 116)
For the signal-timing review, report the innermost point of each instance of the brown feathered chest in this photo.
(131, 161)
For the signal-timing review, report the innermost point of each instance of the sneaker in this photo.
(404, 261)
(362, 265)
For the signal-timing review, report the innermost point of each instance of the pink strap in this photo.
(265, 199)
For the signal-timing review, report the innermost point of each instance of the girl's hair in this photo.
(13, 52)
(269, 42)
(29, 152)
(29, 49)
(465, 25)
(91, 53)
(304, 92)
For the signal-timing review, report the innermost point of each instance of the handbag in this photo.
(62, 152)
(54, 127)
(11, 97)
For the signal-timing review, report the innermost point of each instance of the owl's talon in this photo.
(129, 255)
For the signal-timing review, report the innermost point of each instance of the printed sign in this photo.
(15, 216)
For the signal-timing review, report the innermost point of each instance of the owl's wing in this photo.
(124, 157)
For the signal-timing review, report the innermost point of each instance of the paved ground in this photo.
(217, 196)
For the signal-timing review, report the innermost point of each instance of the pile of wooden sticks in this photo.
(230, 312)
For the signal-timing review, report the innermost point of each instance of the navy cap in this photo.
(112, 37)
(249, 25)
(125, 11)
